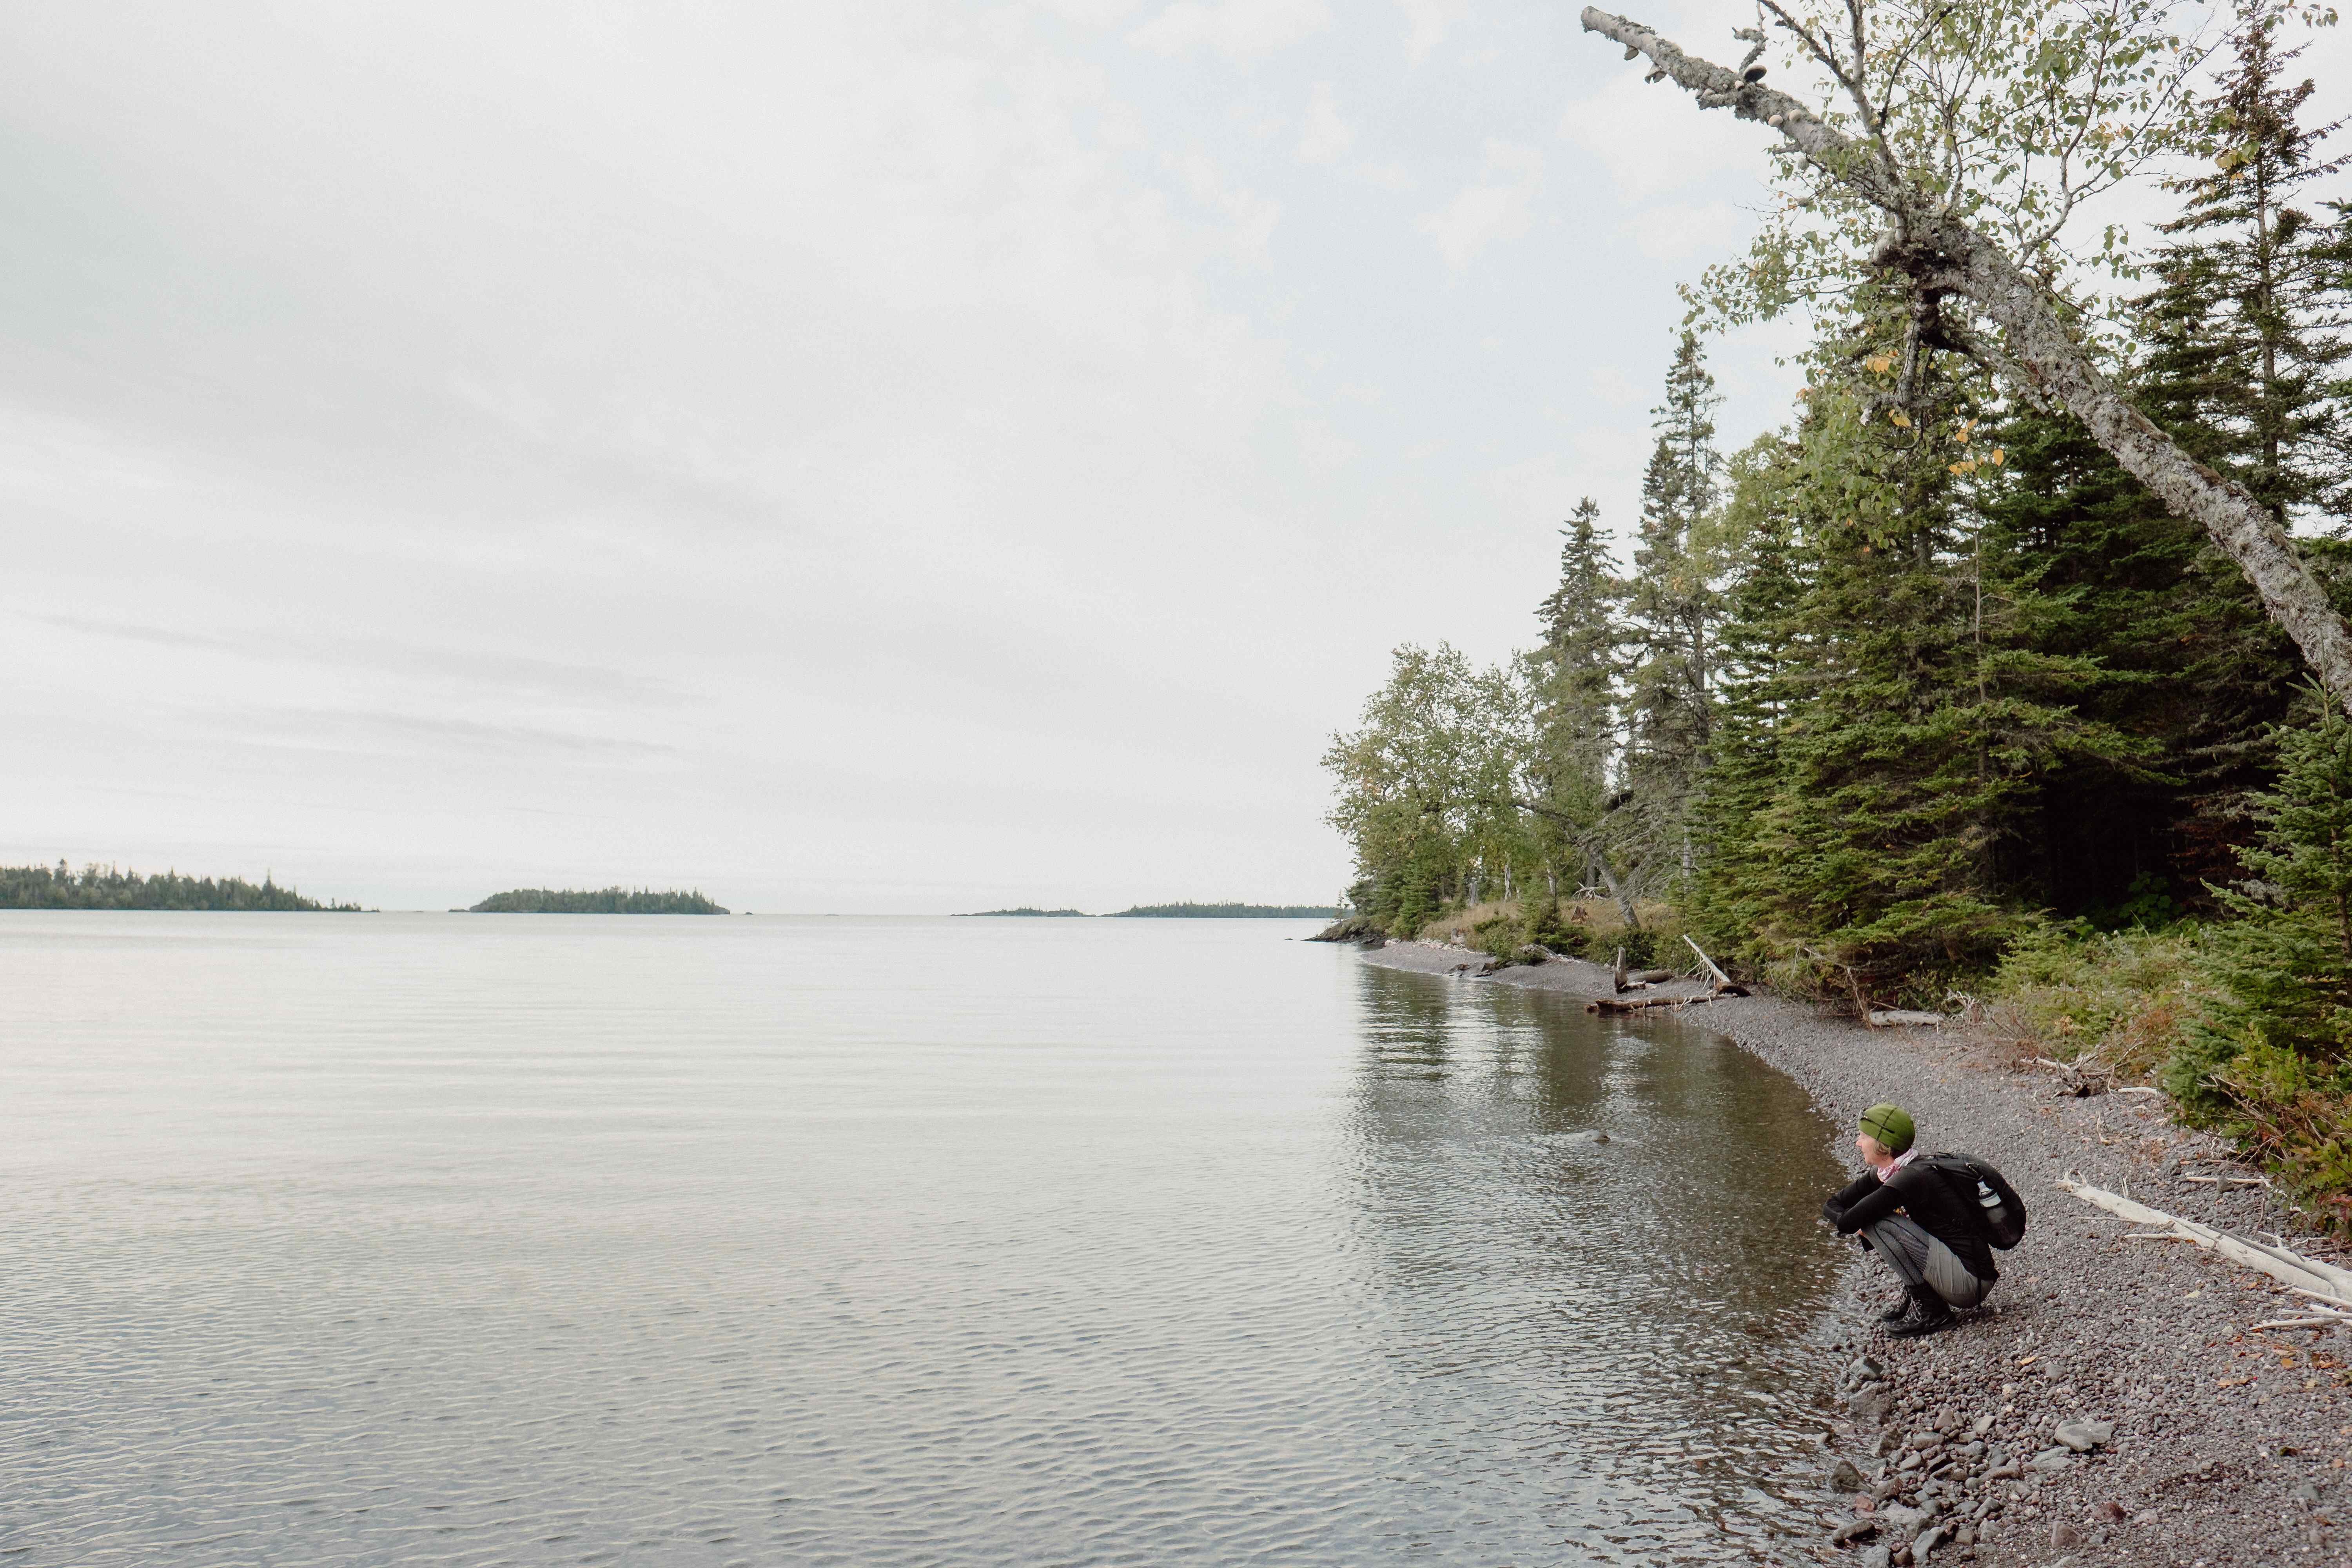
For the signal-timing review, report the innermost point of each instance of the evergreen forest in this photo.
(1922, 698)
(59, 887)
(601, 901)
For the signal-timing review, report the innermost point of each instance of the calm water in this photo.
(427, 1239)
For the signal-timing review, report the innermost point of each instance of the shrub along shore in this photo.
(2224, 1442)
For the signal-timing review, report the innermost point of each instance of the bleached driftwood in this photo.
(2081, 1078)
(1887, 1017)
(1722, 980)
(1610, 1005)
(2229, 1180)
(2307, 1276)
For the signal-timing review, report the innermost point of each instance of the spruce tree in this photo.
(2246, 349)
(1671, 607)
(1910, 712)
(2271, 1059)
(1756, 660)
(1575, 675)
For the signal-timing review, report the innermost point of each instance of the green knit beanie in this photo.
(1891, 1125)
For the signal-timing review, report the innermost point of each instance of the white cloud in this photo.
(1251, 217)
(1325, 135)
(1679, 231)
(1650, 139)
(1428, 22)
(1387, 176)
(1240, 29)
(1494, 210)
(1612, 386)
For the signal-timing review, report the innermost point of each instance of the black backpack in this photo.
(2000, 1212)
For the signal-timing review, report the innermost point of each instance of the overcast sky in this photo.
(892, 455)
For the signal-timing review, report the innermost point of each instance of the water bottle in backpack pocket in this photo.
(2000, 1213)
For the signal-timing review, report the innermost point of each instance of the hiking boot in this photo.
(1934, 1313)
(1900, 1310)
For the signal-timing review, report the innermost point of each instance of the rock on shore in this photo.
(2111, 1403)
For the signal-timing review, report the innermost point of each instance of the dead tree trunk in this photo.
(1941, 255)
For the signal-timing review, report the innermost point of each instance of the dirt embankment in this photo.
(2221, 1444)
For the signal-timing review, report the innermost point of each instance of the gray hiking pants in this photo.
(1918, 1258)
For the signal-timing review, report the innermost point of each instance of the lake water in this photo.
(450, 1239)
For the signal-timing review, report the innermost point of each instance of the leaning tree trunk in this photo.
(1942, 255)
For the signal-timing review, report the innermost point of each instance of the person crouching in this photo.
(1915, 1220)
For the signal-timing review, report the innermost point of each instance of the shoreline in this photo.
(2229, 1448)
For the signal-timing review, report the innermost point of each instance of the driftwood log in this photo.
(1723, 986)
(1610, 1005)
(1938, 253)
(2304, 1275)
(1626, 980)
(1887, 1018)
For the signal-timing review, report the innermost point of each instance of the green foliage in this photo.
(2122, 996)
(1897, 713)
(2244, 333)
(2281, 1022)
(106, 887)
(1670, 606)
(602, 902)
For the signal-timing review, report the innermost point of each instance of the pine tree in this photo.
(2245, 332)
(1671, 607)
(1910, 713)
(2193, 667)
(1763, 551)
(2271, 1059)
(1575, 676)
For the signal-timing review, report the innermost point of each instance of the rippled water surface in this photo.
(422, 1239)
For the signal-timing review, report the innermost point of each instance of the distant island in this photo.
(106, 887)
(602, 902)
(1178, 913)
(1026, 910)
(1226, 912)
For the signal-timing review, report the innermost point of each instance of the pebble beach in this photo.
(2113, 1401)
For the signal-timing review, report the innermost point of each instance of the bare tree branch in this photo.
(1934, 250)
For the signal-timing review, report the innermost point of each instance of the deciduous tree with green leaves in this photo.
(1953, 146)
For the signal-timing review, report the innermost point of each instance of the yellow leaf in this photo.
(1900, 417)
(1882, 364)
(1999, 456)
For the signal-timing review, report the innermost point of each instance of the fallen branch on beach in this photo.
(1610, 1005)
(2324, 1320)
(1722, 980)
(1887, 1017)
(1724, 986)
(2081, 1078)
(2307, 1276)
(1626, 980)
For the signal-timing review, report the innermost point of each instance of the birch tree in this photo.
(1954, 146)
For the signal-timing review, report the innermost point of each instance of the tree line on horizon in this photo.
(59, 887)
(613, 900)
(1921, 686)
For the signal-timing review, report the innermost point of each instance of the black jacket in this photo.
(1922, 1193)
